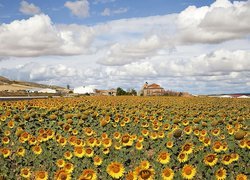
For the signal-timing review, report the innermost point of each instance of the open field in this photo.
(125, 138)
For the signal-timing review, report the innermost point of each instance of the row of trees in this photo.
(122, 92)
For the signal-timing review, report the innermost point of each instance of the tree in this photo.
(68, 86)
(133, 92)
(120, 92)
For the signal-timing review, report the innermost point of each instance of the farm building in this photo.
(41, 90)
(84, 90)
(152, 90)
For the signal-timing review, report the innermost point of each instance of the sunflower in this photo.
(224, 146)
(241, 177)
(231, 131)
(5, 152)
(187, 148)
(126, 140)
(217, 146)
(32, 141)
(98, 143)
(167, 174)
(88, 131)
(75, 132)
(60, 163)
(106, 142)
(216, 132)
(207, 141)
(69, 167)
(41, 175)
(188, 130)
(143, 174)
(188, 171)
(72, 140)
(88, 174)
(25, 172)
(79, 152)
(105, 150)
(182, 157)
(196, 132)
(5, 140)
(50, 133)
(145, 132)
(185, 122)
(21, 151)
(79, 143)
(61, 174)
(221, 174)
(67, 155)
(134, 137)
(25, 136)
(89, 152)
(161, 134)
(7, 132)
(37, 149)
(242, 143)
(248, 144)
(166, 126)
(226, 159)
(139, 146)
(140, 138)
(144, 164)
(210, 159)
(153, 135)
(234, 156)
(91, 142)
(203, 132)
(170, 144)
(62, 141)
(11, 124)
(117, 145)
(130, 176)
(115, 170)
(97, 160)
(164, 157)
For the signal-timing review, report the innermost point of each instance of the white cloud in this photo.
(106, 12)
(38, 36)
(119, 54)
(109, 12)
(29, 9)
(78, 8)
(219, 22)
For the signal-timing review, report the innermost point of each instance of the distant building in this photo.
(110, 92)
(243, 96)
(41, 90)
(152, 90)
(84, 90)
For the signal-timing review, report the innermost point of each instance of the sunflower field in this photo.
(144, 138)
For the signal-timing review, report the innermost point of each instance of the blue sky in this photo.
(60, 14)
(201, 47)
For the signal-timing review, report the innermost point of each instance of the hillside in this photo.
(9, 85)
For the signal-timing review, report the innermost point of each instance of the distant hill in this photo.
(12, 85)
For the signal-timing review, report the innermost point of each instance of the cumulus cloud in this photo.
(29, 8)
(106, 12)
(223, 20)
(124, 54)
(78, 8)
(38, 36)
(109, 12)
(213, 72)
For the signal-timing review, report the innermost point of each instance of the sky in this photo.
(201, 47)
